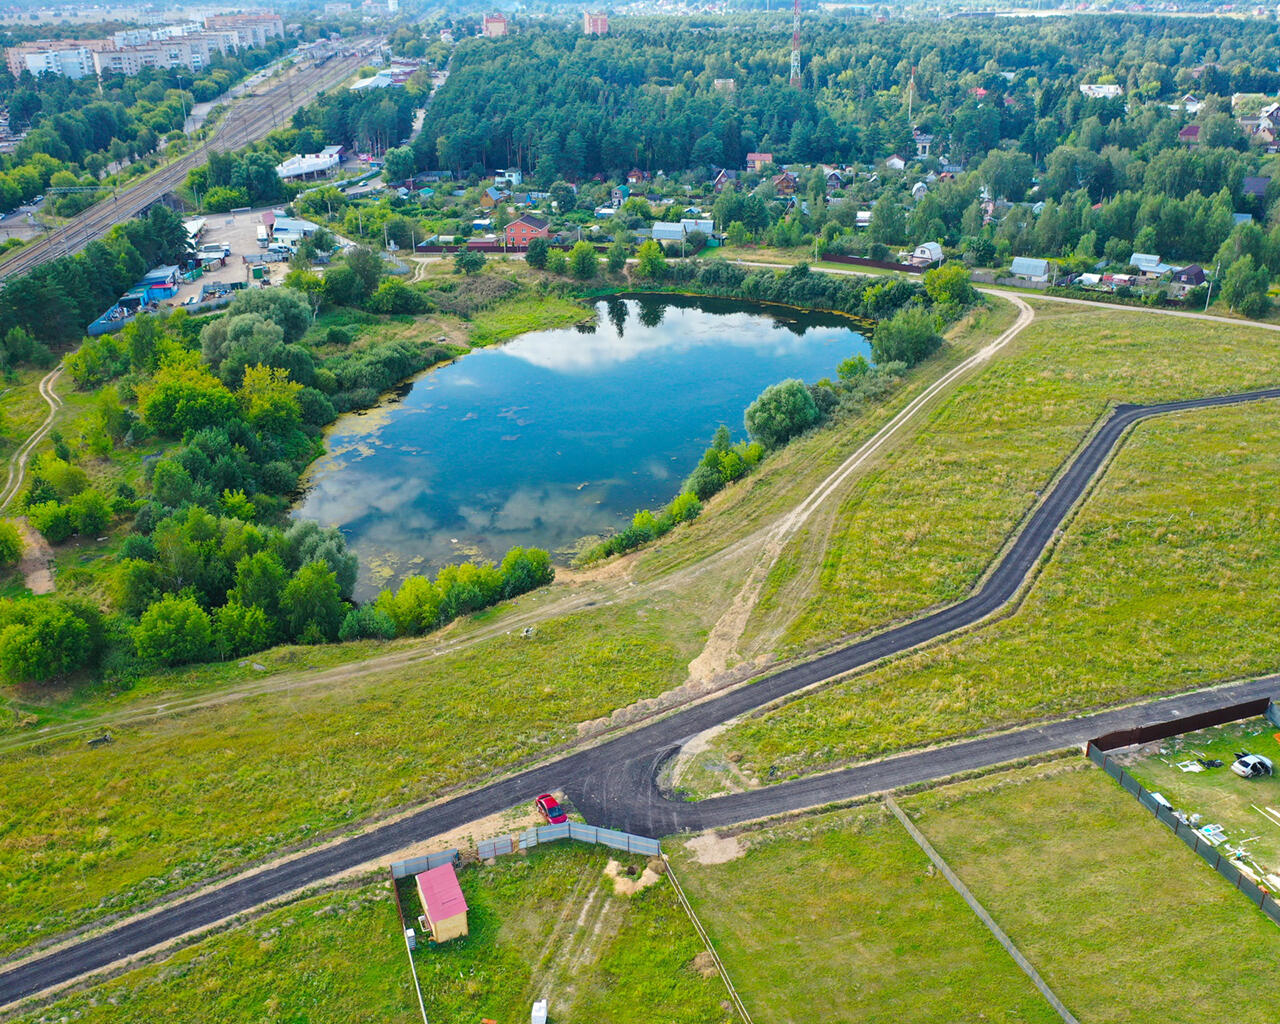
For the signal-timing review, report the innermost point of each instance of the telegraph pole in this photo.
(795, 46)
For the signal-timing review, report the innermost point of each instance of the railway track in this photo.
(247, 121)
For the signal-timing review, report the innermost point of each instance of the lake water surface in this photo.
(557, 434)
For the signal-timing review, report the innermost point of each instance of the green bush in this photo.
(53, 519)
(174, 631)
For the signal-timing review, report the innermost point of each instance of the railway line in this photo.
(247, 121)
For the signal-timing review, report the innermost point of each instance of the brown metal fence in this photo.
(1177, 726)
(1259, 897)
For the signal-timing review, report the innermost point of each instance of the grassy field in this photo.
(943, 504)
(1162, 582)
(551, 926)
(87, 832)
(241, 779)
(333, 957)
(841, 918)
(1218, 795)
(525, 313)
(1123, 921)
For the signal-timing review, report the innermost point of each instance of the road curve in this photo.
(18, 461)
(613, 783)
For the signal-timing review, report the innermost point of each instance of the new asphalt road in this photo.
(613, 783)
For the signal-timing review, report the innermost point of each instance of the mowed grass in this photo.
(841, 918)
(921, 529)
(1163, 582)
(340, 957)
(550, 926)
(175, 800)
(1218, 795)
(1121, 919)
(333, 957)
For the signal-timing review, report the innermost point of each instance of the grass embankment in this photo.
(841, 911)
(1122, 921)
(175, 800)
(340, 957)
(1163, 582)
(921, 529)
(841, 918)
(788, 476)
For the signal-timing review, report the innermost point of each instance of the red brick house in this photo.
(528, 227)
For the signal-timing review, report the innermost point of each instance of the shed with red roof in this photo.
(445, 908)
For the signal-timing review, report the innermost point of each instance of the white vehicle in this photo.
(263, 239)
(214, 250)
(1252, 766)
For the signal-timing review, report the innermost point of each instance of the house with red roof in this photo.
(756, 162)
(444, 908)
(1190, 134)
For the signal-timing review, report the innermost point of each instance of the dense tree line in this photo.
(50, 306)
(559, 104)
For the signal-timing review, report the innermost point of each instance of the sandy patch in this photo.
(36, 565)
(710, 848)
(626, 885)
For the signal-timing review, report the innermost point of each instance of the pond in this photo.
(557, 434)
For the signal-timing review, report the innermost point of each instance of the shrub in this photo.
(366, 623)
(53, 519)
(11, 545)
(174, 631)
(780, 413)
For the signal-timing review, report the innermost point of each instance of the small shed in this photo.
(443, 903)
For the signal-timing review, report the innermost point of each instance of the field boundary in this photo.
(1000, 936)
(706, 941)
(1224, 866)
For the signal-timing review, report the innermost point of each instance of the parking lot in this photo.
(240, 232)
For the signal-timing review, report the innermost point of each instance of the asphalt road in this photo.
(613, 783)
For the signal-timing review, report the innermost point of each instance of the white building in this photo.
(311, 165)
(1100, 92)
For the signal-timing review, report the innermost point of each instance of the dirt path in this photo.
(18, 461)
(37, 558)
(723, 640)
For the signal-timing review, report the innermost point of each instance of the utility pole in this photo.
(795, 46)
(911, 95)
(1209, 294)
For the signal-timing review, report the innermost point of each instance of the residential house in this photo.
(1242, 218)
(692, 224)
(668, 231)
(833, 178)
(978, 92)
(635, 176)
(784, 184)
(620, 194)
(1190, 135)
(1026, 268)
(723, 177)
(511, 177)
(525, 229)
(895, 163)
(1149, 266)
(1255, 185)
(862, 220)
(494, 26)
(492, 197)
(919, 190)
(1185, 280)
(757, 162)
(924, 142)
(927, 254)
(1101, 92)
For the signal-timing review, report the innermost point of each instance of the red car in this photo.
(550, 809)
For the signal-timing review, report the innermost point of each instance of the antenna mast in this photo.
(795, 46)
